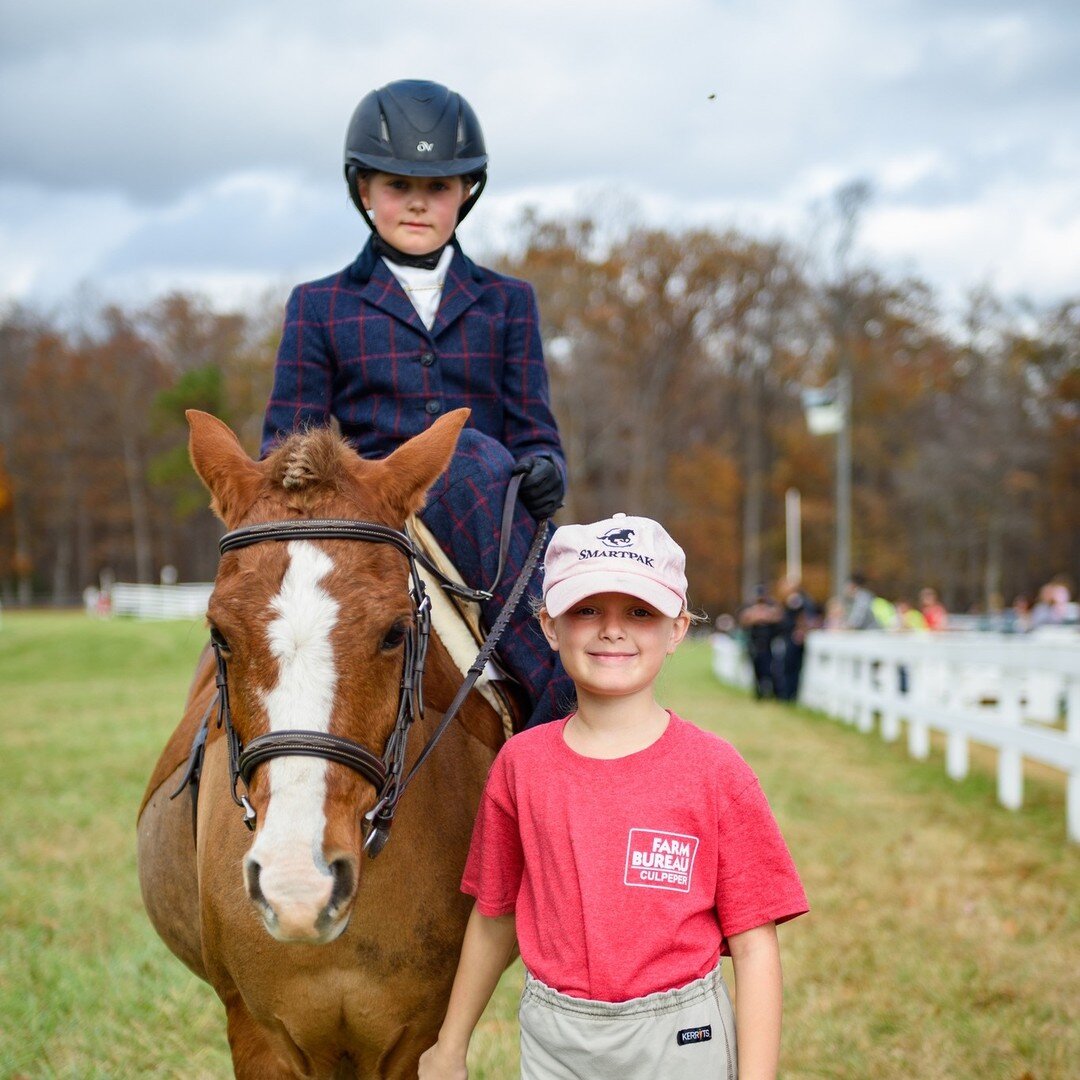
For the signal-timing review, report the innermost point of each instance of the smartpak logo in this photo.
(660, 860)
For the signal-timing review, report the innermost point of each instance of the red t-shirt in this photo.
(626, 875)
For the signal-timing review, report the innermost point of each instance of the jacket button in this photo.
(433, 407)
(427, 359)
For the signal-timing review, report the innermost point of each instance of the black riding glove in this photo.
(542, 487)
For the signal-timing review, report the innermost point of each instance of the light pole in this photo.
(850, 200)
(793, 534)
(842, 548)
(828, 412)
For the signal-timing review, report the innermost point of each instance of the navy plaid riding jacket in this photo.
(354, 348)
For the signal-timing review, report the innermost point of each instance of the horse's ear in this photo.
(230, 476)
(414, 466)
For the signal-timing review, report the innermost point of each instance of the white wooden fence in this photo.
(1019, 694)
(160, 601)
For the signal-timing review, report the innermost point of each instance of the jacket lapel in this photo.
(460, 292)
(384, 292)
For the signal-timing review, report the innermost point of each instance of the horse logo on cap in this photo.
(618, 538)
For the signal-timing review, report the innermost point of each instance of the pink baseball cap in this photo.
(621, 554)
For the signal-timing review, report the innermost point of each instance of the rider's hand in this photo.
(542, 487)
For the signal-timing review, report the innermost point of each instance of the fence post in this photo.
(956, 755)
(1072, 733)
(890, 705)
(864, 696)
(918, 732)
(1010, 779)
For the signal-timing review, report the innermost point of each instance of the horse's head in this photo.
(312, 632)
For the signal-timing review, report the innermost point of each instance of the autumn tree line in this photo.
(678, 362)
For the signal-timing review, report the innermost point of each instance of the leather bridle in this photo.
(385, 771)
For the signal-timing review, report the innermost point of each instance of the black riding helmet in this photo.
(415, 128)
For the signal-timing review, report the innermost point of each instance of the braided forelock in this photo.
(310, 459)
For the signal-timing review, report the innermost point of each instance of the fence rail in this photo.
(160, 601)
(1017, 695)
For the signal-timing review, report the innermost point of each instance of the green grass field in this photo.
(942, 943)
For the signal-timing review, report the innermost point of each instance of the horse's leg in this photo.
(256, 1053)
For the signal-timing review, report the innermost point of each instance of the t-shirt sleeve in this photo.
(757, 881)
(496, 859)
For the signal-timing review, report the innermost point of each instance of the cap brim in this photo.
(564, 594)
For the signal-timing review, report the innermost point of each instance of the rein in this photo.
(385, 772)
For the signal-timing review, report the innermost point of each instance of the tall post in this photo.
(850, 200)
(842, 547)
(793, 531)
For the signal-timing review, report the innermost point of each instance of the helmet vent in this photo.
(460, 130)
(384, 130)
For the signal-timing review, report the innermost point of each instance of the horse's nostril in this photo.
(251, 877)
(343, 871)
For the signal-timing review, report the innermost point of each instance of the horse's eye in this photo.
(395, 636)
(218, 638)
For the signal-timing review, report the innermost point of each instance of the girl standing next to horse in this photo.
(413, 329)
(624, 850)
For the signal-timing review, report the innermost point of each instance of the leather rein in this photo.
(385, 771)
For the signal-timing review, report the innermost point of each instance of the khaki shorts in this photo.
(684, 1034)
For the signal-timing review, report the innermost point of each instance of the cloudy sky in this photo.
(149, 146)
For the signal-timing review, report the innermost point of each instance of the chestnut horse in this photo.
(329, 963)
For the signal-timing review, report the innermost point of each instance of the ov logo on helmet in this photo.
(425, 147)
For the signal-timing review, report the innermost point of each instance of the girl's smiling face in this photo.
(612, 644)
(415, 214)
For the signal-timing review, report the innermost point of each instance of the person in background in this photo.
(908, 617)
(859, 604)
(933, 611)
(1018, 617)
(798, 615)
(759, 621)
(835, 614)
(1052, 607)
(885, 613)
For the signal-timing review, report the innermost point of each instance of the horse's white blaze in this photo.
(294, 873)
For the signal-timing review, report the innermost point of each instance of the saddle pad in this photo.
(457, 621)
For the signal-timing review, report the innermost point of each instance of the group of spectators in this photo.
(774, 631)
(773, 627)
(860, 608)
(1053, 606)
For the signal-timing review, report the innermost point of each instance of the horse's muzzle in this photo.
(302, 908)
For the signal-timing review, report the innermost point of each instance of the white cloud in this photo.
(203, 141)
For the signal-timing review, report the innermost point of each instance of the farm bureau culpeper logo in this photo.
(660, 860)
(617, 538)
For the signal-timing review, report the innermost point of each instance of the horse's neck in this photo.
(441, 683)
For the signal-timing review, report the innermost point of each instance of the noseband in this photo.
(385, 772)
